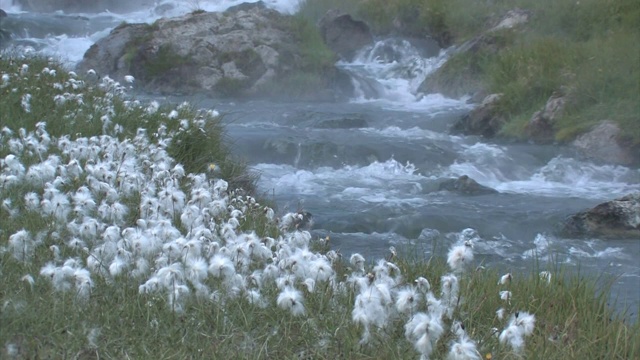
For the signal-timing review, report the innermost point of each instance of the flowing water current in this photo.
(368, 169)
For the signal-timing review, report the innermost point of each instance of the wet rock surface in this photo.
(604, 143)
(615, 219)
(465, 185)
(343, 34)
(484, 120)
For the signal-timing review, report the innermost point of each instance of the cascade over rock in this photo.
(619, 218)
(236, 52)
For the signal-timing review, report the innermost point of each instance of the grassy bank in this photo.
(119, 240)
(586, 49)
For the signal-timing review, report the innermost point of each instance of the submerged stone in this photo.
(466, 186)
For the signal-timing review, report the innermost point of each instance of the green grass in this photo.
(116, 320)
(571, 322)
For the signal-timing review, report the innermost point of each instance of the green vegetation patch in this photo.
(161, 62)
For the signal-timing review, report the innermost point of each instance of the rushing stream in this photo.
(368, 169)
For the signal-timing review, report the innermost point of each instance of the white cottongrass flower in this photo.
(462, 348)
(423, 284)
(171, 274)
(221, 266)
(545, 276)
(450, 290)
(408, 300)
(520, 324)
(254, 297)
(12, 350)
(196, 269)
(129, 79)
(22, 245)
(32, 201)
(28, 279)
(291, 299)
(505, 295)
(310, 284)
(153, 107)
(460, 257)
(83, 284)
(512, 336)
(92, 337)
(505, 279)
(500, 313)
(368, 311)
(321, 270)
(25, 102)
(525, 321)
(5, 81)
(357, 261)
(423, 331)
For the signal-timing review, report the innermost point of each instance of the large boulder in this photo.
(484, 120)
(236, 52)
(616, 219)
(343, 34)
(605, 143)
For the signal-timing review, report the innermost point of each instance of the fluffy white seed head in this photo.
(291, 299)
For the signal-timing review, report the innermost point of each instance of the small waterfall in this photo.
(393, 69)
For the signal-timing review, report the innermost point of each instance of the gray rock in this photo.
(236, 52)
(484, 120)
(112, 54)
(540, 126)
(616, 219)
(512, 18)
(465, 185)
(603, 143)
(344, 35)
